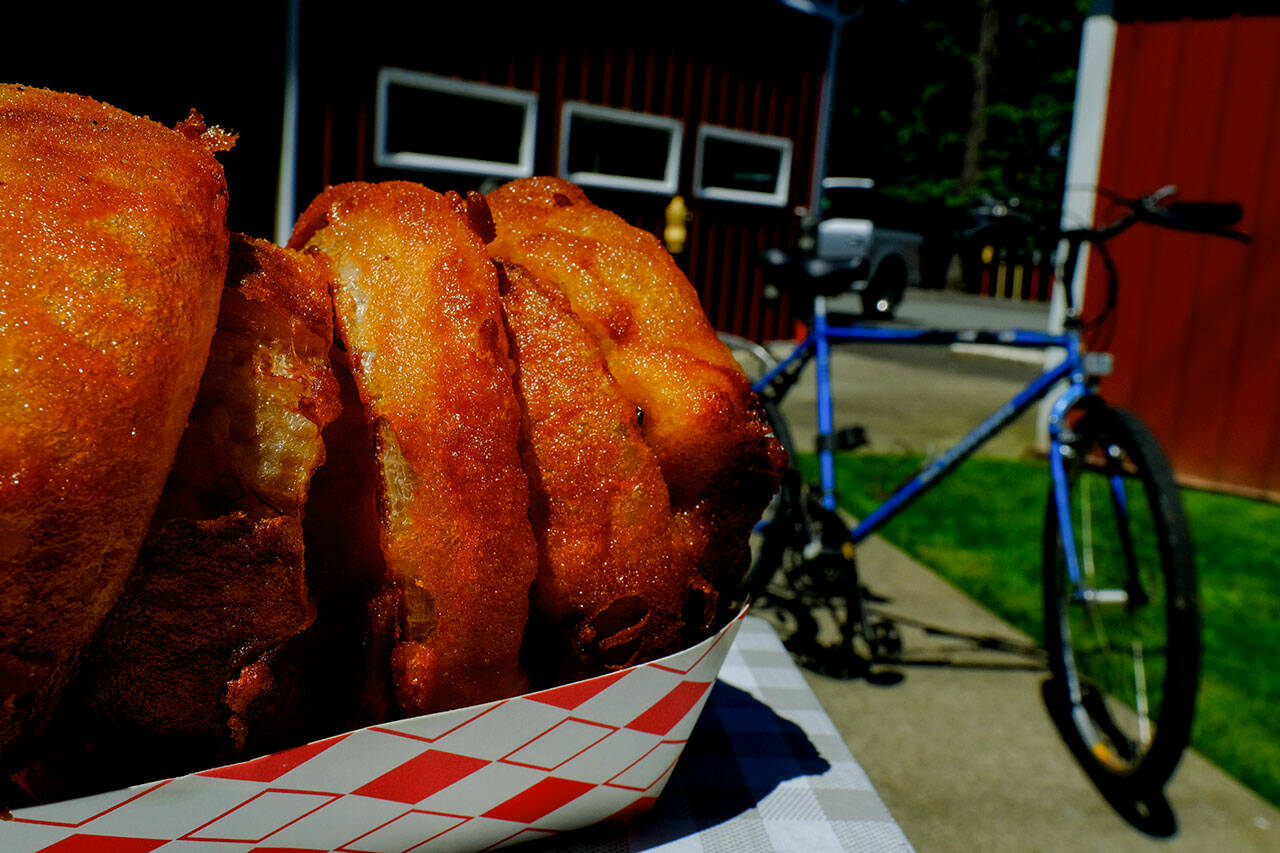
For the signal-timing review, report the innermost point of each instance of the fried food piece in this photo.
(253, 441)
(700, 417)
(347, 573)
(113, 252)
(182, 672)
(170, 683)
(416, 301)
(609, 592)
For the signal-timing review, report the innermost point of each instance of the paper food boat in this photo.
(471, 779)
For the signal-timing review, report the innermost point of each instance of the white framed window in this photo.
(737, 165)
(619, 149)
(434, 123)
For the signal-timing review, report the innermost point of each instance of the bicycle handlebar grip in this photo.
(1205, 214)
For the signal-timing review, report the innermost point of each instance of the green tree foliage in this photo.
(905, 92)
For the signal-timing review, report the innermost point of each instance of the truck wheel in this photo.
(884, 292)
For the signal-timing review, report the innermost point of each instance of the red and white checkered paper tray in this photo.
(471, 779)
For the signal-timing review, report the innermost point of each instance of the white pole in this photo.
(829, 11)
(826, 105)
(1084, 160)
(287, 186)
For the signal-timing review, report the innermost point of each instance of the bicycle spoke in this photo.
(1140, 689)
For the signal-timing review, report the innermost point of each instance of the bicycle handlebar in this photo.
(819, 276)
(1201, 217)
(1198, 217)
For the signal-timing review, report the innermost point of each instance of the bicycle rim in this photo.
(1123, 641)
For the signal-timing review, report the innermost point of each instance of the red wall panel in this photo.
(757, 69)
(1195, 104)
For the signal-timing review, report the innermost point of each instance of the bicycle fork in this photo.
(1085, 589)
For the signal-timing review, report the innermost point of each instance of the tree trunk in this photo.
(977, 134)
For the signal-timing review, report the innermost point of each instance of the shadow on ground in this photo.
(722, 773)
(823, 642)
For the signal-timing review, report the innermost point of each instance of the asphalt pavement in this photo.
(960, 746)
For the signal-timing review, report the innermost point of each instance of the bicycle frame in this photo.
(810, 562)
(817, 346)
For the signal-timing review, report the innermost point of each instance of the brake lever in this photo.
(1152, 202)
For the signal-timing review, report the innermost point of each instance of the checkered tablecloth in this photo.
(765, 769)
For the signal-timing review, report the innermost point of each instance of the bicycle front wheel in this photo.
(1123, 635)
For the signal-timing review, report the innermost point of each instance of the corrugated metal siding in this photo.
(758, 72)
(1197, 104)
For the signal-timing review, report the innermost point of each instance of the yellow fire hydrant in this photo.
(675, 234)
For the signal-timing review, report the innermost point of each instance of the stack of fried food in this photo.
(437, 451)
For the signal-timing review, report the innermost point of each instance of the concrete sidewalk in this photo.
(966, 758)
(961, 749)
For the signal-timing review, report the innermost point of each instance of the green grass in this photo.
(981, 529)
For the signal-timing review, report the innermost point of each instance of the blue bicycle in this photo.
(1122, 630)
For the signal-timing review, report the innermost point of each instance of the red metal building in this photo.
(744, 76)
(1195, 102)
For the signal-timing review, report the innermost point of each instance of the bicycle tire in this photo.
(803, 570)
(785, 516)
(754, 359)
(1137, 600)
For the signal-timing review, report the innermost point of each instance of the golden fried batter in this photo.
(416, 300)
(253, 441)
(609, 587)
(181, 674)
(700, 417)
(162, 683)
(113, 251)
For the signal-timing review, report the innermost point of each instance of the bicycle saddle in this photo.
(800, 271)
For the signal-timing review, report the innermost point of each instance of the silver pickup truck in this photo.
(857, 229)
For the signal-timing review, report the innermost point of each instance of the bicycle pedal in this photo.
(825, 575)
(846, 438)
(884, 640)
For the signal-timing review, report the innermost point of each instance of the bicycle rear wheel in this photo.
(782, 518)
(1124, 638)
(803, 576)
